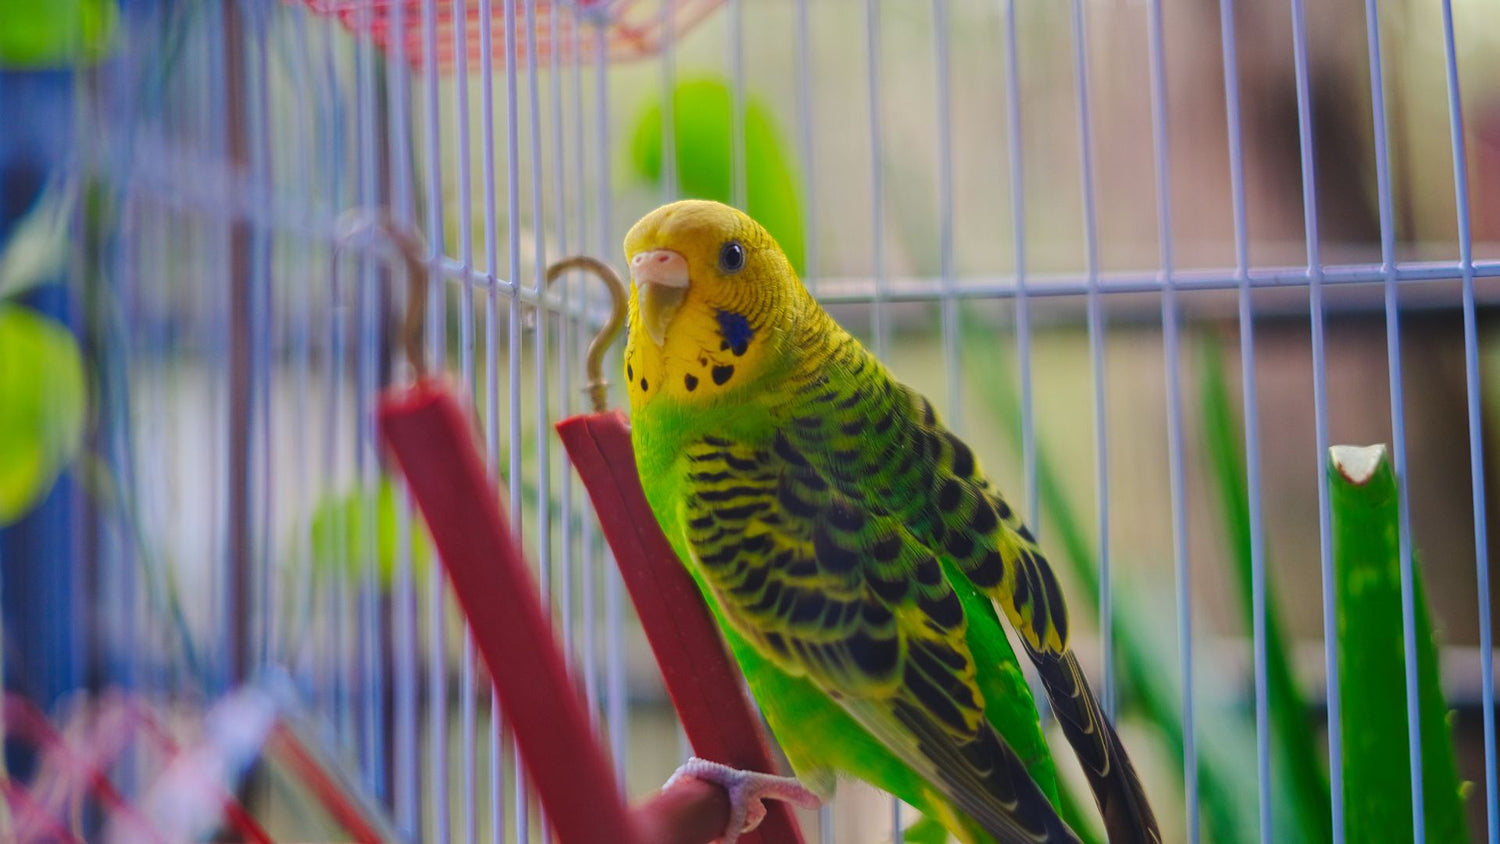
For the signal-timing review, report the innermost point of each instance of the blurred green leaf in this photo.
(349, 529)
(925, 830)
(1296, 761)
(55, 33)
(42, 412)
(1372, 664)
(701, 113)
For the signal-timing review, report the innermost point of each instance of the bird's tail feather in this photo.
(1127, 814)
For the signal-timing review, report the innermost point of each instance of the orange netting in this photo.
(632, 29)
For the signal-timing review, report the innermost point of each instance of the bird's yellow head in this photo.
(711, 307)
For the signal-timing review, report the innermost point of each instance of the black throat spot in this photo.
(735, 331)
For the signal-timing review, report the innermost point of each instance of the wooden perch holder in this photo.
(429, 435)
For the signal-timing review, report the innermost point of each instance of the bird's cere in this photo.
(659, 266)
(661, 277)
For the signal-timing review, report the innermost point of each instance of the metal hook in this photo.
(619, 296)
(360, 222)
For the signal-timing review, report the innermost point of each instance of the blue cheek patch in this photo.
(736, 331)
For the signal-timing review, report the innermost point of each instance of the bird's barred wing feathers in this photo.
(846, 596)
(880, 443)
(884, 448)
(1026, 587)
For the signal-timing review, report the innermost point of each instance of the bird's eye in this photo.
(732, 257)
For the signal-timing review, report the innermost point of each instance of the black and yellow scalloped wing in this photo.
(848, 597)
(882, 445)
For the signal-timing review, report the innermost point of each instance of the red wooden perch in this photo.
(429, 435)
(704, 684)
(431, 439)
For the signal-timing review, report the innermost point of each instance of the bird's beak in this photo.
(661, 277)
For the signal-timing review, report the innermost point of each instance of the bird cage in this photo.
(1159, 262)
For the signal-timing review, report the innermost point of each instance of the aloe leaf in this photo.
(1372, 664)
(1295, 760)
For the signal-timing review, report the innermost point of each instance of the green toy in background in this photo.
(702, 111)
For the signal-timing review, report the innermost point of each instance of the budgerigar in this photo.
(848, 543)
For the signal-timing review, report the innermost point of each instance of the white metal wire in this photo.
(948, 319)
(1096, 330)
(467, 687)
(1320, 417)
(1170, 351)
(878, 327)
(1474, 397)
(805, 141)
(1250, 408)
(1018, 245)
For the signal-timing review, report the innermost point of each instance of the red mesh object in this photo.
(75, 764)
(633, 29)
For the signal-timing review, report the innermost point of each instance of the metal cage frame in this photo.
(228, 177)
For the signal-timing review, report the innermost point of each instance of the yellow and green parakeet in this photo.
(849, 545)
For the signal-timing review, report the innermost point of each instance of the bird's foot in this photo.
(747, 790)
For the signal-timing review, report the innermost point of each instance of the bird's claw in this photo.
(747, 790)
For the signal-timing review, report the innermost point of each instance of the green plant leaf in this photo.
(42, 412)
(55, 33)
(1372, 663)
(1295, 760)
(701, 116)
(357, 526)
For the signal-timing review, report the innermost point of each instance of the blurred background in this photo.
(1062, 221)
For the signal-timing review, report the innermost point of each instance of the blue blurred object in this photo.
(43, 588)
(38, 109)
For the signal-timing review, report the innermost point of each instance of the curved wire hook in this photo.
(358, 223)
(619, 296)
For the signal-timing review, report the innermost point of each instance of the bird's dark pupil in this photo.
(732, 257)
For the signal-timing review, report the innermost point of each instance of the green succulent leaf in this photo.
(1372, 664)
